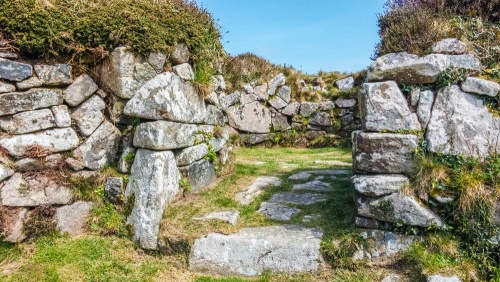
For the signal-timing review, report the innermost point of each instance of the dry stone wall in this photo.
(451, 120)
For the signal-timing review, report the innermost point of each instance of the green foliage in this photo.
(129, 157)
(247, 68)
(339, 252)
(451, 76)
(211, 155)
(185, 186)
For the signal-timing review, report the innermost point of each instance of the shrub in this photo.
(246, 68)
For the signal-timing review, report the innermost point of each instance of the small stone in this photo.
(277, 81)
(8, 55)
(327, 106)
(157, 61)
(449, 46)
(480, 86)
(82, 88)
(230, 217)
(277, 103)
(13, 224)
(51, 162)
(379, 185)
(14, 71)
(180, 55)
(72, 219)
(277, 211)
(414, 97)
(367, 223)
(218, 83)
(253, 138)
(29, 83)
(256, 188)
(310, 217)
(308, 108)
(315, 185)
(345, 103)
(280, 122)
(215, 116)
(113, 191)
(200, 174)
(75, 165)
(217, 143)
(6, 87)
(26, 122)
(345, 84)
(297, 199)
(321, 119)
(62, 117)
(251, 117)
(184, 71)
(227, 101)
(88, 116)
(424, 110)
(14, 102)
(300, 176)
(292, 109)
(392, 278)
(285, 93)
(261, 91)
(248, 98)
(54, 75)
(248, 88)
(5, 172)
(128, 152)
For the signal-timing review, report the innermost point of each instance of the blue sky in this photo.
(310, 35)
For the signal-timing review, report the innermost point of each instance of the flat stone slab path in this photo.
(315, 185)
(277, 211)
(297, 199)
(254, 190)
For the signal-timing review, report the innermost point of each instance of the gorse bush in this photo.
(95, 27)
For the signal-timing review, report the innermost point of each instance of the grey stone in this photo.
(217, 143)
(345, 103)
(88, 116)
(276, 211)
(218, 83)
(184, 71)
(53, 140)
(29, 83)
(327, 106)
(85, 174)
(251, 117)
(153, 182)
(424, 109)
(277, 103)
(51, 162)
(180, 55)
(8, 55)
(297, 199)
(116, 113)
(321, 119)
(345, 84)
(124, 73)
(167, 97)
(261, 92)
(191, 154)
(54, 75)
(308, 108)
(74, 164)
(271, 248)
(61, 114)
(379, 185)
(480, 86)
(164, 135)
(227, 101)
(230, 217)
(461, 124)
(13, 224)
(11, 103)
(100, 148)
(200, 174)
(26, 122)
(72, 219)
(384, 108)
(383, 153)
(315, 185)
(248, 98)
(14, 71)
(29, 191)
(304, 175)
(247, 88)
(276, 82)
(439, 278)
(82, 88)
(411, 69)
(397, 208)
(253, 138)
(496, 213)
(128, 150)
(113, 191)
(6, 87)
(414, 97)
(368, 223)
(213, 99)
(449, 46)
(386, 244)
(285, 93)
(280, 122)
(5, 172)
(215, 116)
(224, 154)
(291, 109)
(157, 61)
(255, 189)
(392, 278)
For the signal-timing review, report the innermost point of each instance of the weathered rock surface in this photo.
(62, 118)
(345, 103)
(167, 97)
(261, 91)
(383, 153)
(217, 143)
(11, 103)
(277, 211)
(255, 189)
(54, 140)
(200, 174)
(276, 82)
(100, 148)
(397, 208)
(280, 122)
(273, 248)
(251, 117)
(227, 101)
(383, 107)
(315, 185)
(26, 122)
(50, 162)
(113, 191)
(215, 116)
(308, 108)
(157, 61)
(379, 185)
(424, 109)
(449, 46)
(304, 175)
(79, 90)
(248, 98)
(128, 150)
(297, 199)
(29, 83)
(439, 278)
(384, 244)
(88, 116)
(253, 139)
(277, 103)
(184, 71)
(164, 135)
(345, 83)
(461, 124)
(13, 224)
(285, 93)
(5, 172)
(321, 119)
(230, 217)
(30, 191)
(71, 219)
(14, 71)
(367, 223)
(6, 87)
(180, 55)
(54, 75)
(480, 86)
(292, 109)
(411, 69)
(191, 154)
(326, 106)
(154, 181)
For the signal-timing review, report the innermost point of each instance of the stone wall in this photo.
(451, 120)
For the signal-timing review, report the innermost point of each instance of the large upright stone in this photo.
(200, 174)
(154, 181)
(79, 90)
(167, 97)
(384, 108)
(461, 124)
(54, 75)
(251, 117)
(11, 103)
(124, 72)
(411, 69)
(383, 153)
(53, 140)
(14, 71)
(26, 122)
(424, 109)
(100, 148)
(288, 249)
(164, 135)
(88, 116)
(379, 185)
